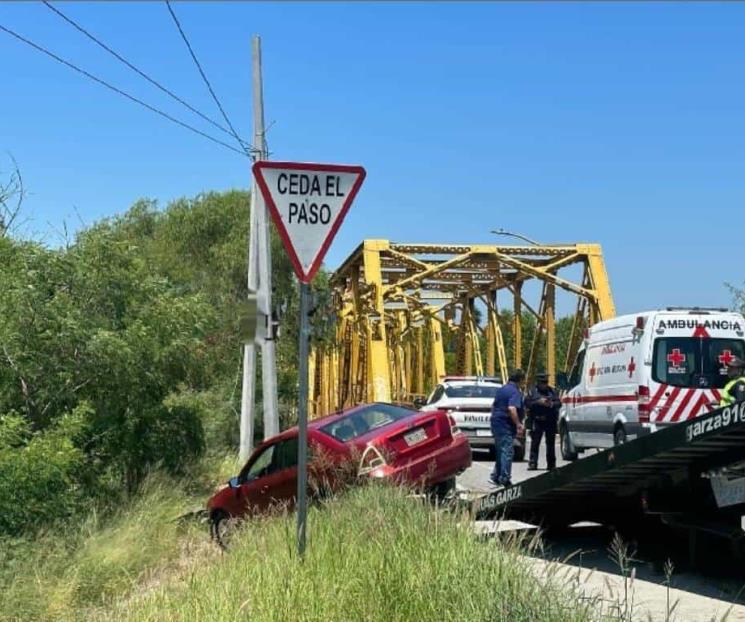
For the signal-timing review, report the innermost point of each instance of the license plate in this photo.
(415, 436)
(483, 432)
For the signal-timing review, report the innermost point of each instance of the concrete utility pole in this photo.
(260, 281)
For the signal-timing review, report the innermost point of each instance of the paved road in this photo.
(587, 545)
(477, 477)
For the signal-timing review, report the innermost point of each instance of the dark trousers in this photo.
(540, 427)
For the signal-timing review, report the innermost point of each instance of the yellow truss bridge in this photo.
(394, 302)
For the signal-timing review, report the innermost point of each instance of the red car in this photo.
(377, 440)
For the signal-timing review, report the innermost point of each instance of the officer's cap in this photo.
(736, 362)
(541, 377)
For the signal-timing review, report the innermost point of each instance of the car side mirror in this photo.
(420, 401)
(233, 482)
(562, 381)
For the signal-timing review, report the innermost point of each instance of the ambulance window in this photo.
(693, 362)
(718, 352)
(575, 375)
(675, 360)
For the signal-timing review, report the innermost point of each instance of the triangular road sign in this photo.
(308, 203)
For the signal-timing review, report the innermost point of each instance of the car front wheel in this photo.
(221, 527)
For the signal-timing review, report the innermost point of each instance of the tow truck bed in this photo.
(657, 474)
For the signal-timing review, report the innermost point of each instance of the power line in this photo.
(119, 91)
(119, 57)
(201, 72)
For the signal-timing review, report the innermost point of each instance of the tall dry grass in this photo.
(375, 554)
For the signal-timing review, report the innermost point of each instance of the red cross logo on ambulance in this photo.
(631, 367)
(676, 359)
(593, 371)
(725, 358)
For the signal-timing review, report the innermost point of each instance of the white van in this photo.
(636, 373)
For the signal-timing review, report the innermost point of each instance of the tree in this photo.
(12, 193)
(120, 352)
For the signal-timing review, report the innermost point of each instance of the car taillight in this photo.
(453, 427)
(644, 403)
(371, 460)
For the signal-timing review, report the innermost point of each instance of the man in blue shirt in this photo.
(506, 423)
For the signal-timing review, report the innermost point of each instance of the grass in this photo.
(373, 555)
(68, 575)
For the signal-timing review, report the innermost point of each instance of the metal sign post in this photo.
(308, 203)
(302, 418)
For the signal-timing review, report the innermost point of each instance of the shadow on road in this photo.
(589, 547)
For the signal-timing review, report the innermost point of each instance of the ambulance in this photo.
(635, 374)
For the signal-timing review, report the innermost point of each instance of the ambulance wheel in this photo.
(619, 435)
(567, 449)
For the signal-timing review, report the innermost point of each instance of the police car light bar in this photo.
(477, 378)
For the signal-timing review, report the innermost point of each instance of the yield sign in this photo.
(308, 203)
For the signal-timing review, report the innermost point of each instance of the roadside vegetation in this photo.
(120, 368)
(66, 575)
(120, 355)
(375, 554)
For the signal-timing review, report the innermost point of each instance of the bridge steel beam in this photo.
(404, 310)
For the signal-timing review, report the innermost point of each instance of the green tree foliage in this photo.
(738, 298)
(529, 325)
(120, 352)
(41, 474)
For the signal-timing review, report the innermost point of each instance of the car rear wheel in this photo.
(565, 442)
(221, 528)
(443, 490)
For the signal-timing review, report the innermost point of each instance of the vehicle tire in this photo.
(567, 451)
(221, 525)
(443, 490)
(619, 435)
(518, 454)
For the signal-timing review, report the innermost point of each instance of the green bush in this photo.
(42, 474)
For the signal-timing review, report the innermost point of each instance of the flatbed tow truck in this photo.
(689, 476)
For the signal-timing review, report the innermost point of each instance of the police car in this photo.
(468, 400)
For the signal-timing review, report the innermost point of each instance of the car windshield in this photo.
(472, 390)
(364, 420)
(694, 362)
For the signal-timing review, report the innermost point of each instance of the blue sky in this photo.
(622, 124)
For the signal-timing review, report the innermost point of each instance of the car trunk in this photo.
(411, 438)
(471, 414)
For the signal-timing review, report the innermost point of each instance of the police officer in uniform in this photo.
(543, 404)
(734, 390)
